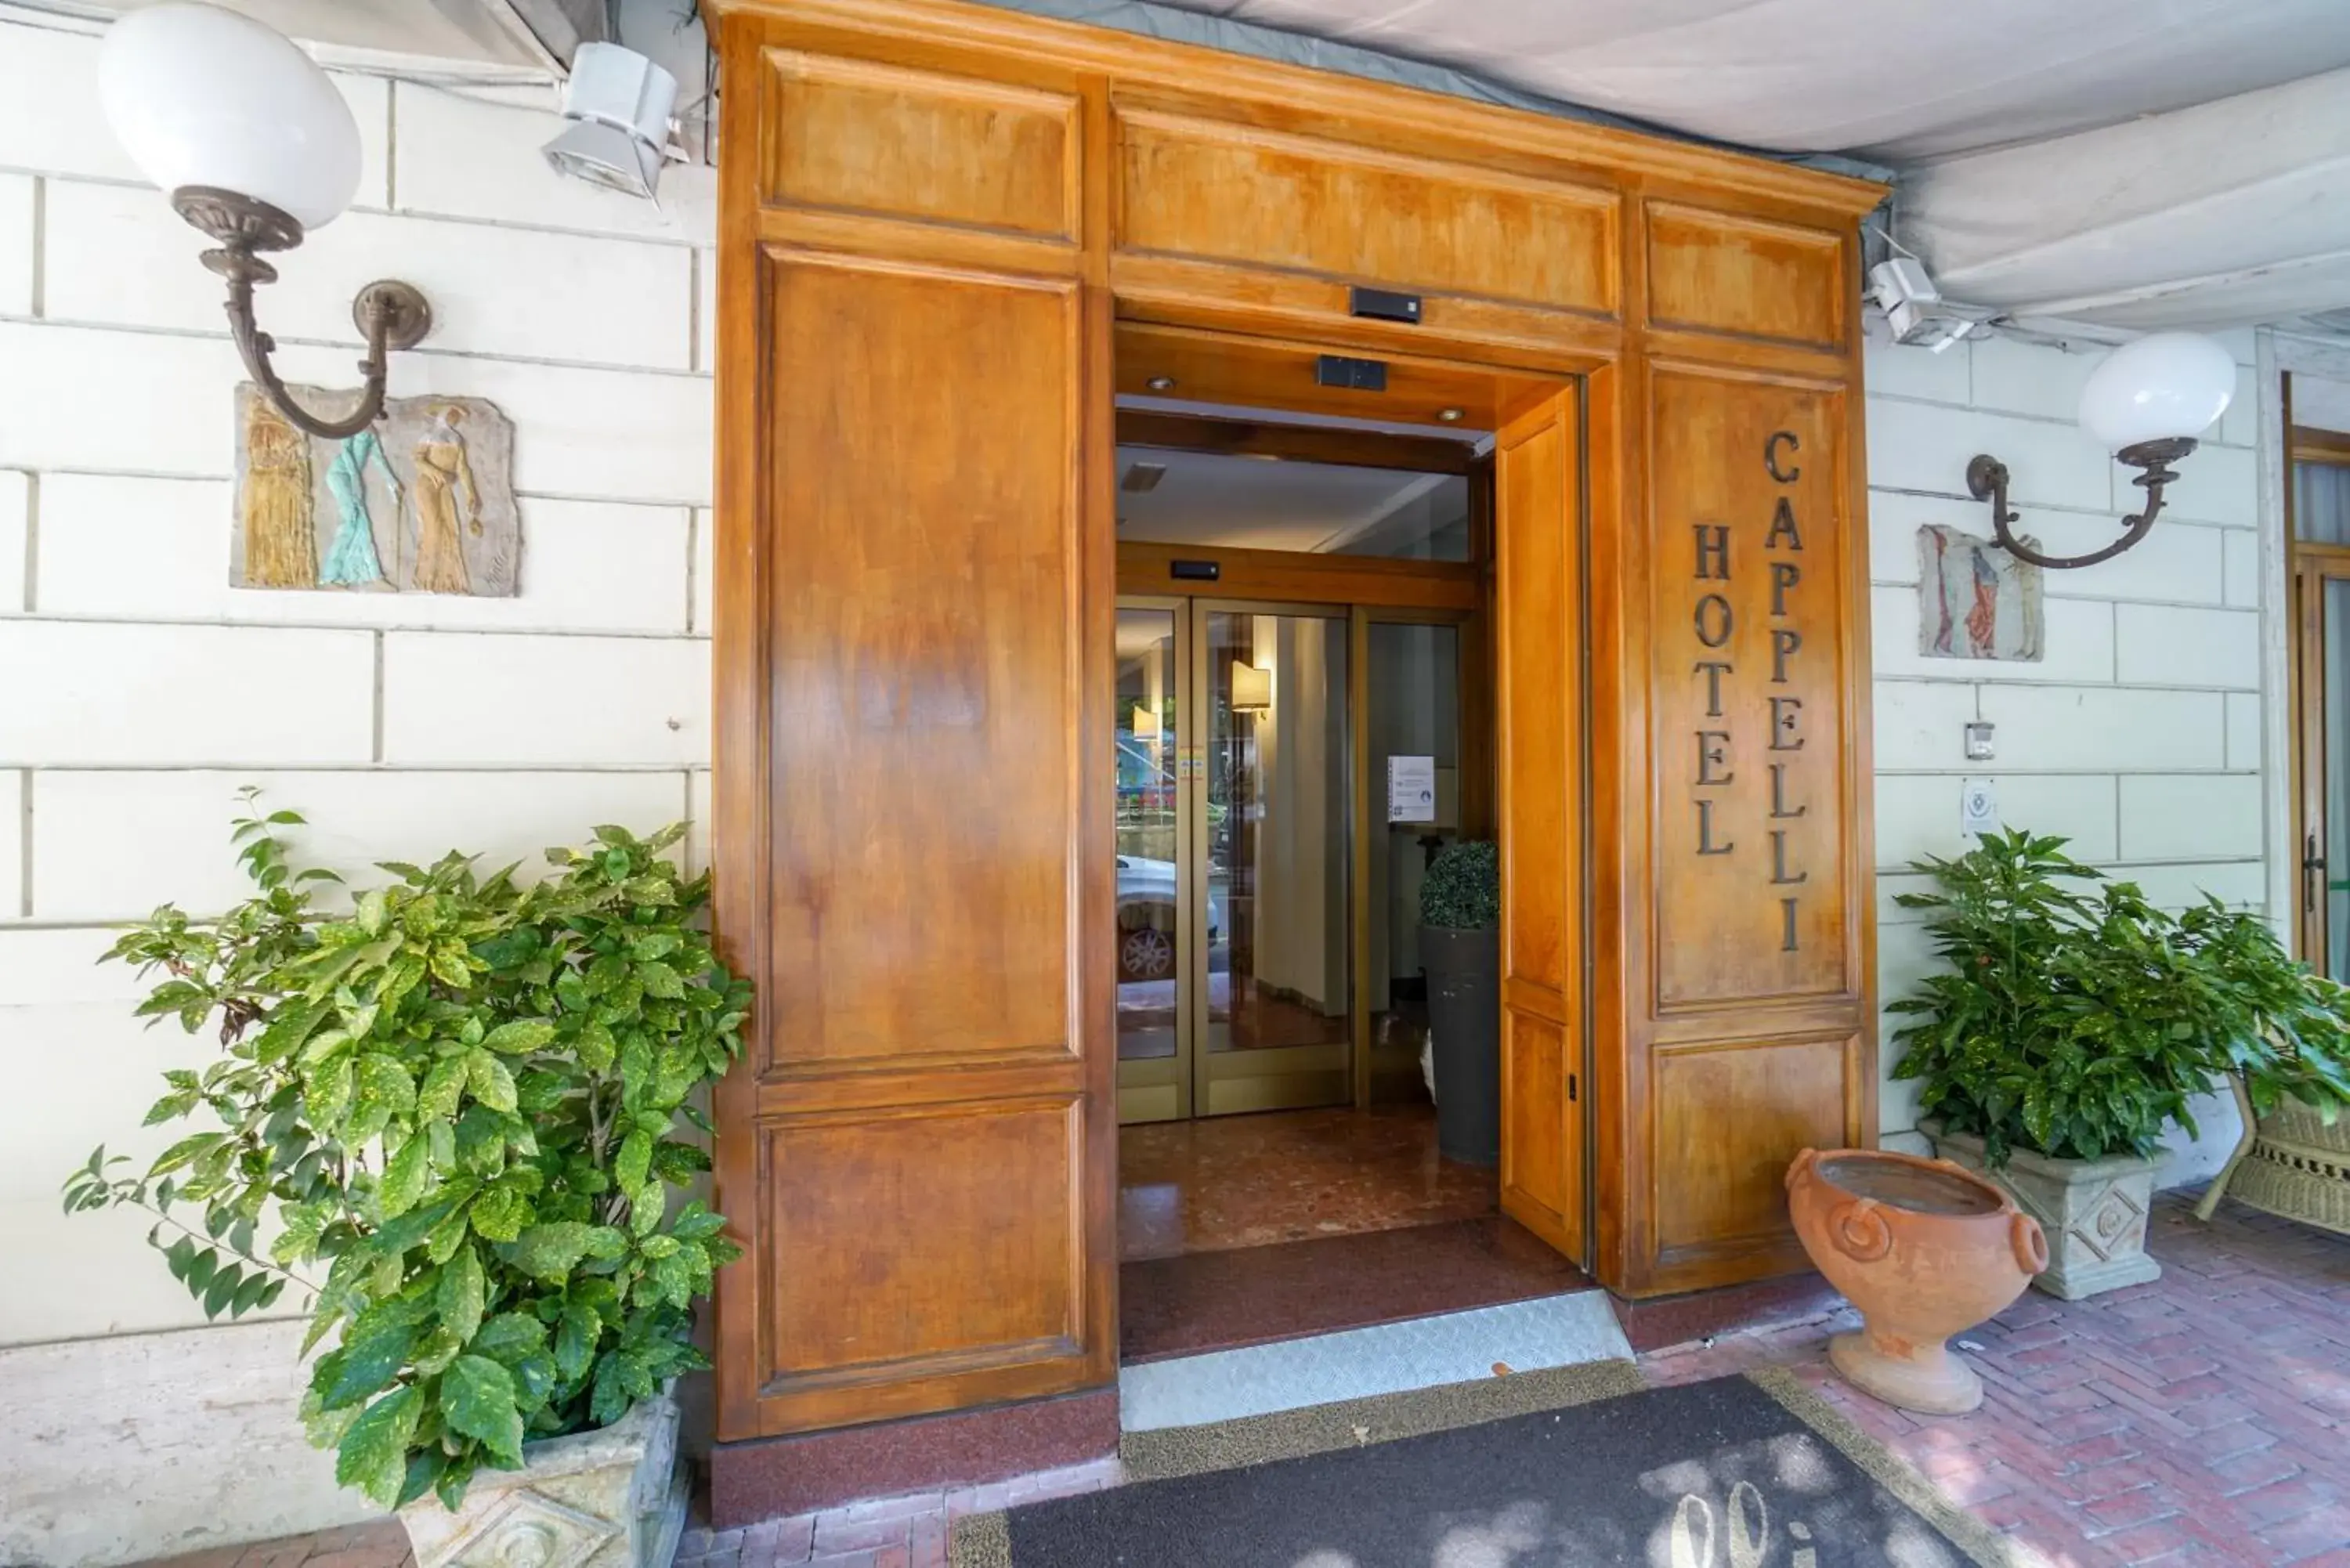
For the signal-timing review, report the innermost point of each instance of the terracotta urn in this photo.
(1925, 1250)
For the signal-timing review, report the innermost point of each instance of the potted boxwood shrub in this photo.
(1460, 947)
(449, 1119)
(2075, 1024)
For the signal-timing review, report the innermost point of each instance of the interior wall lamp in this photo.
(256, 146)
(2147, 404)
(1251, 688)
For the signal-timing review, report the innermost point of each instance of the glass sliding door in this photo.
(1274, 878)
(1235, 866)
(1154, 942)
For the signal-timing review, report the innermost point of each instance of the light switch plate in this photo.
(1978, 807)
(1981, 743)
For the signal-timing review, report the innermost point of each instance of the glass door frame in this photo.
(1193, 1072)
(2313, 566)
(1136, 1080)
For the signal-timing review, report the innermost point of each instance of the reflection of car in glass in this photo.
(1146, 918)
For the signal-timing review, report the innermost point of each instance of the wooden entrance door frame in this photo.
(1532, 575)
(2309, 567)
(927, 209)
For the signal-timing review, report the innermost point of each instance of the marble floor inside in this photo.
(1240, 1230)
(1222, 1182)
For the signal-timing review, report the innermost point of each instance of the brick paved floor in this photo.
(2201, 1420)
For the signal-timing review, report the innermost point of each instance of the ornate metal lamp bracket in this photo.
(1987, 481)
(390, 315)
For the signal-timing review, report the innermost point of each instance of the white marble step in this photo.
(1424, 1353)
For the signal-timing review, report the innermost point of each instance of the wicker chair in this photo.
(2288, 1163)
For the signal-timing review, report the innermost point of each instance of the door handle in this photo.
(2313, 867)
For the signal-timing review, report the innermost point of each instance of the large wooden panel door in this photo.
(1540, 729)
(914, 618)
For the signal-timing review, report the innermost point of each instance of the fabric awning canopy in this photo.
(2137, 162)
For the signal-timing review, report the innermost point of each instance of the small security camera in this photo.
(619, 102)
(1903, 291)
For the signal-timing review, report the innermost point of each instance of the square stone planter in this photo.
(612, 1497)
(2093, 1211)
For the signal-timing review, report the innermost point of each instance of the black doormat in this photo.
(1739, 1472)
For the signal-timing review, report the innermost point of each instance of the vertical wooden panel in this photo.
(912, 918)
(1747, 545)
(1735, 998)
(1539, 715)
(912, 623)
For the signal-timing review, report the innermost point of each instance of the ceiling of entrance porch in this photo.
(2139, 163)
(1210, 500)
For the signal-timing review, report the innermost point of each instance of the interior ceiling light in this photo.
(2147, 404)
(1449, 416)
(1160, 383)
(256, 146)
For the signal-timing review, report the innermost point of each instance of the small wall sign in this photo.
(1411, 789)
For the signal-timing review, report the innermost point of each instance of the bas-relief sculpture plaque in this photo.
(419, 502)
(1975, 600)
(1749, 551)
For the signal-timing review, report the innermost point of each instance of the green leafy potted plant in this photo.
(1460, 947)
(2075, 1024)
(449, 1118)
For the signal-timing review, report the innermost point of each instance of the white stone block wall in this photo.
(2139, 734)
(138, 691)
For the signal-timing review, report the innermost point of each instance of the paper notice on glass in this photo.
(1411, 789)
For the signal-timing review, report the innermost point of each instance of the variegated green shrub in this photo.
(451, 1118)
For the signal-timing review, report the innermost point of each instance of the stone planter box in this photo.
(2093, 1211)
(612, 1497)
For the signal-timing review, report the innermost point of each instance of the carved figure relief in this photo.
(351, 559)
(1975, 600)
(421, 501)
(274, 504)
(445, 490)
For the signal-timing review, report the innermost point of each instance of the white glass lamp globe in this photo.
(200, 96)
(2164, 385)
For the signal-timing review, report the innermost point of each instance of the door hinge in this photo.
(1570, 1089)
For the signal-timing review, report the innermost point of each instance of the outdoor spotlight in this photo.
(619, 102)
(2147, 404)
(256, 146)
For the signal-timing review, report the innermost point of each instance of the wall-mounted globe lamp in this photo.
(2147, 404)
(256, 146)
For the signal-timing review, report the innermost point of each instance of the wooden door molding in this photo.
(1540, 767)
(930, 213)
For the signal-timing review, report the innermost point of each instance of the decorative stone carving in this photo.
(419, 502)
(612, 1497)
(2094, 1212)
(1975, 600)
